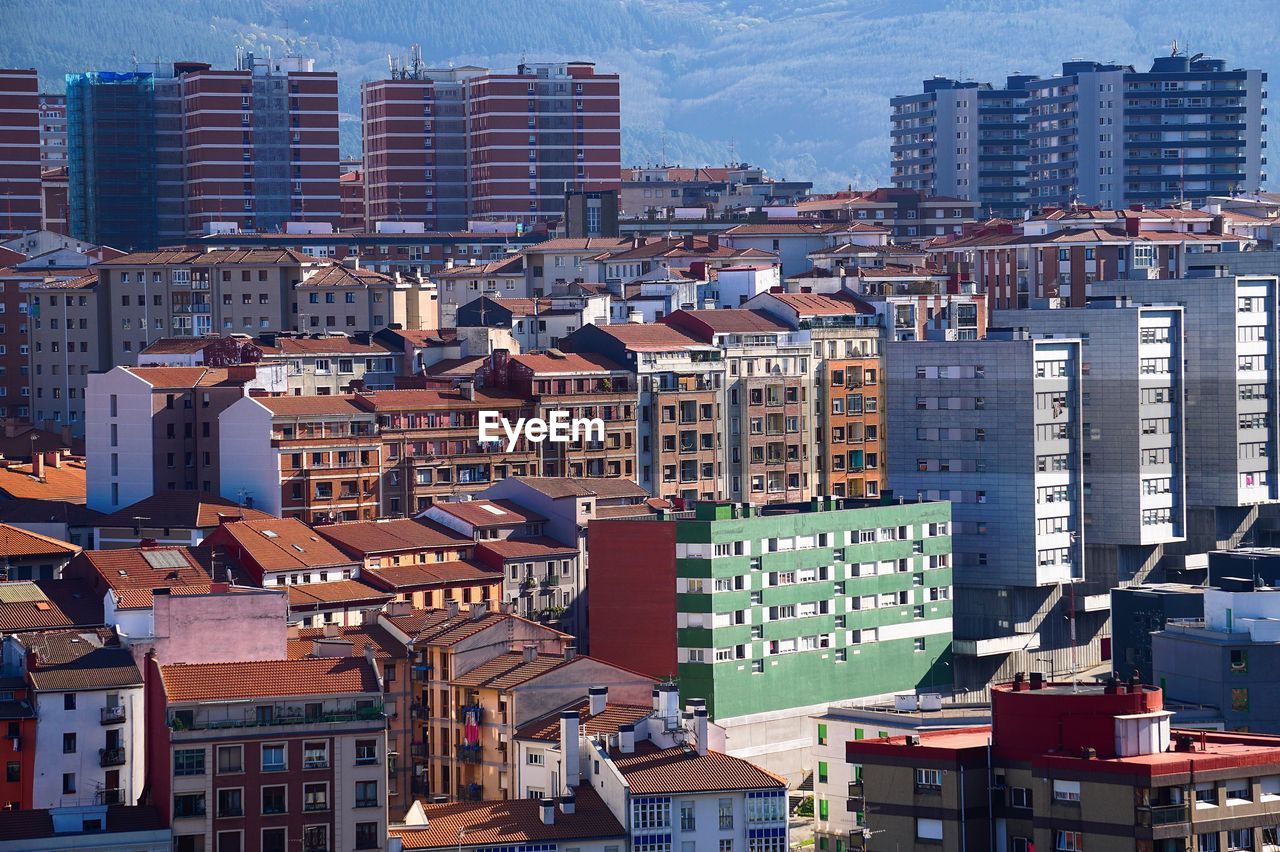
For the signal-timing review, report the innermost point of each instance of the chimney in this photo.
(478, 610)
(1037, 680)
(330, 631)
(1112, 687)
(669, 705)
(1019, 682)
(451, 608)
(687, 242)
(530, 652)
(570, 651)
(1132, 226)
(568, 804)
(570, 726)
(222, 587)
(713, 242)
(53, 459)
(37, 466)
(597, 698)
(701, 724)
(548, 809)
(655, 699)
(627, 739)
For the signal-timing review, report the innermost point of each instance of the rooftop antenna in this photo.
(137, 524)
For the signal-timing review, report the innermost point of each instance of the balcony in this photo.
(112, 715)
(372, 713)
(1150, 816)
(109, 796)
(996, 646)
(469, 753)
(111, 756)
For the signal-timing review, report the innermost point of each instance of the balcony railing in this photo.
(111, 756)
(1153, 815)
(113, 715)
(363, 714)
(109, 796)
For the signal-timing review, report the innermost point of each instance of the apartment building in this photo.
(446, 145)
(266, 754)
(581, 386)
(1068, 766)
(20, 153)
(156, 429)
(445, 644)
(1102, 133)
(1230, 411)
(430, 444)
(180, 518)
(64, 346)
(768, 401)
(848, 435)
(681, 404)
(541, 323)
(463, 284)
(1135, 438)
(994, 426)
(277, 552)
(86, 694)
(315, 458)
(758, 610)
(911, 216)
(964, 139)
(53, 131)
(655, 190)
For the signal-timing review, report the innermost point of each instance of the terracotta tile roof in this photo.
(817, 304)
(83, 282)
(527, 548)
(580, 244)
(133, 572)
(66, 482)
(606, 722)
(329, 344)
(213, 257)
(267, 679)
(803, 229)
(728, 321)
(337, 275)
(303, 406)
(855, 250)
(320, 596)
(67, 660)
(513, 265)
(650, 337)
(284, 544)
(603, 487)
(17, 542)
(391, 535)
(179, 510)
(507, 670)
(426, 399)
(509, 822)
(419, 576)
(489, 513)
(465, 367)
(188, 377)
(674, 247)
(438, 627)
(22, 512)
(544, 364)
(18, 445)
(651, 770)
(629, 511)
(179, 345)
(46, 605)
(386, 646)
(38, 824)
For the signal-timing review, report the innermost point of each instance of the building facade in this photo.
(20, 152)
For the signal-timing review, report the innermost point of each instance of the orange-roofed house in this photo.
(583, 386)
(279, 552)
(315, 458)
(26, 555)
(152, 430)
(176, 518)
(269, 750)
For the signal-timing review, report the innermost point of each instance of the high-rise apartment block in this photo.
(994, 427)
(19, 152)
(445, 146)
(1098, 133)
(182, 149)
(769, 612)
(964, 139)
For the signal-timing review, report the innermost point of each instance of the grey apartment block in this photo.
(1132, 416)
(1231, 347)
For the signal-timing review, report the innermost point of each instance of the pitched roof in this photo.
(544, 363)
(132, 572)
(337, 275)
(319, 596)
(391, 534)
(818, 304)
(20, 512)
(508, 822)
(83, 282)
(513, 265)
(489, 513)
(212, 257)
(448, 399)
(67, 660)
(603, 487)
(511, 669)
(284, 544)
(267, 678)
(438, 627)
(385, 646)
(303, 406)
(580, 244)
(605, 722)
(179, 510)
(47, 604)
(188, 377)
(17, 542)
(327, 344)
(418, 576)
(650, 337)
(527, 548)
(65, 482)
(38, 824)
(652, 770)
(803, 228)
(728, 320)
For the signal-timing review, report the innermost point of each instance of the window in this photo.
(188, 805)
(315, 755)
(650, 812)
(724, 810)
(366, 752)
(315, 797)
(1068, 841)
(69, 743)
(1207, 842)
(230, 759)
(273, 757)
(929, 829)
(230, 841)
(274, 799)
(231, 802)
(1239, 700)
(68, 782)
(822, 772)
(688, 821)
(69, 701)
(1019, 797)
(929, 779)
(1239, 660)
(275, 839)
(188, 761)
(367, 835)
(822, 734)
(534, 758)
(366, 794)
(1240, 838)
(1066, 791)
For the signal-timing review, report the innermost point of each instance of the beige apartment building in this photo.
(65, 346)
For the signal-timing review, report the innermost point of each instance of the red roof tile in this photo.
(651, 770)
(283, 544)
(527, 548)
(17, 542)
(320, 596)
(179, 510)
(430, 575)
(489, 513)
(606, 722)
(389, 535)
(267, 679)
(386, 646)
(510, 821)
(47, 604)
